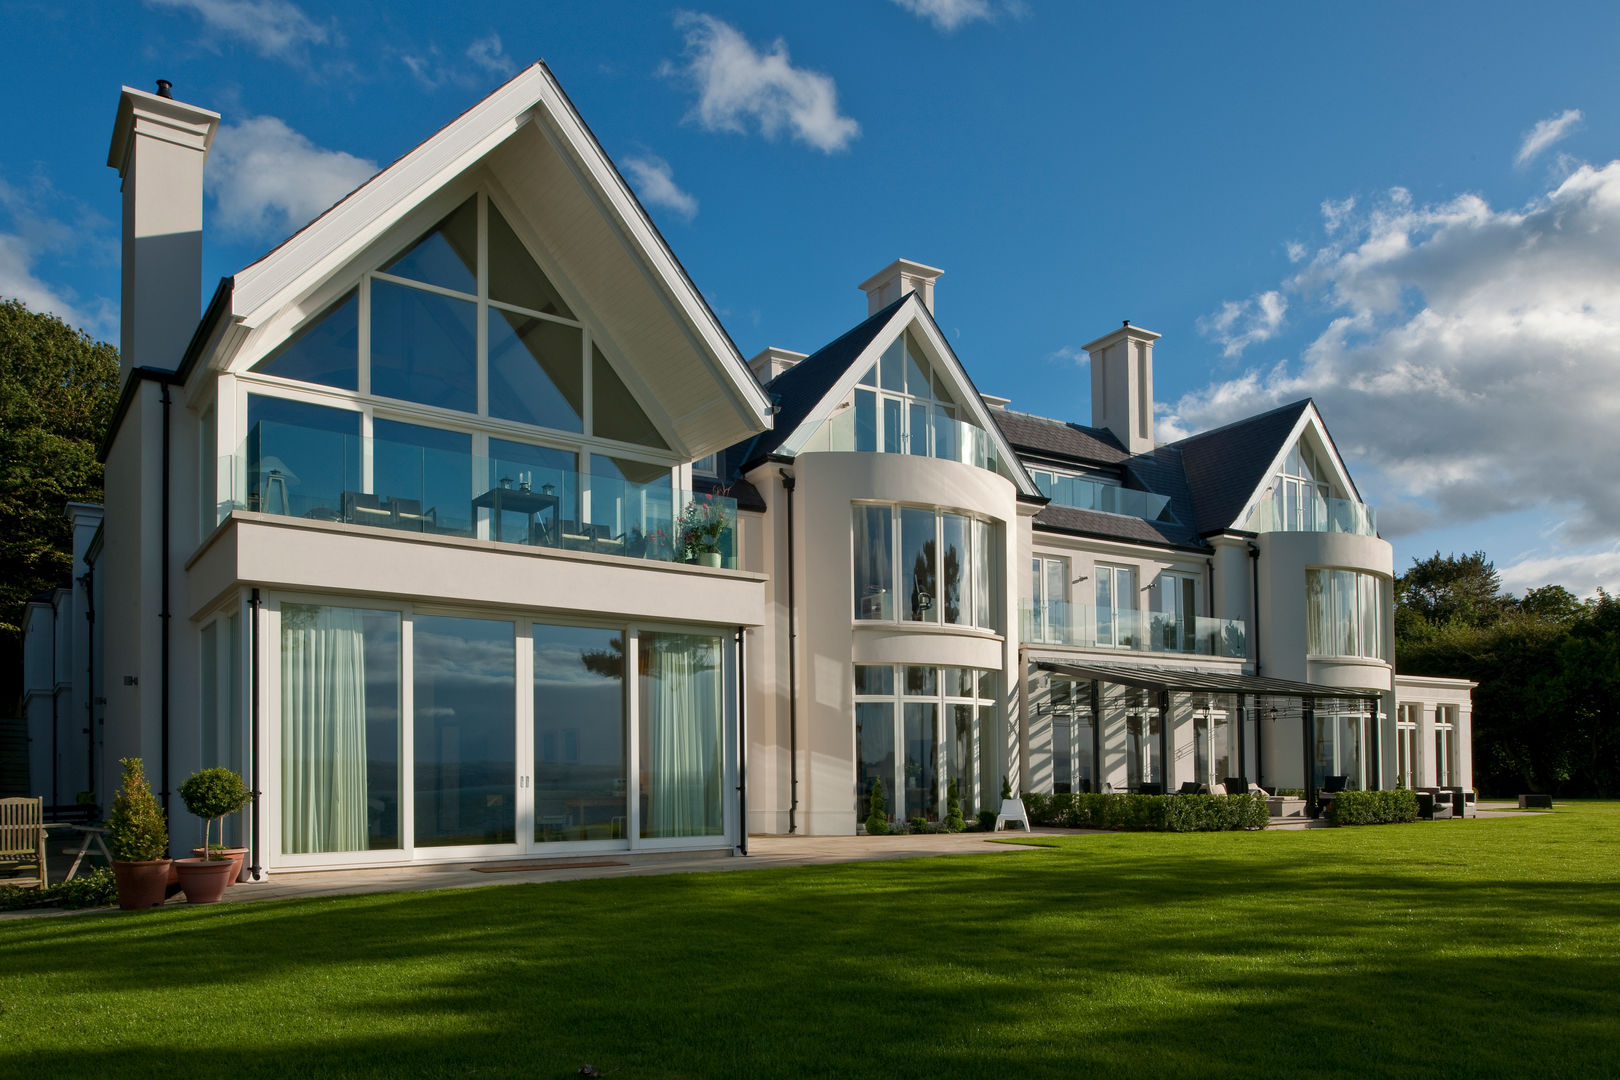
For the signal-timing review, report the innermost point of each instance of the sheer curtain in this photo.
(682, 756)
(323, 729)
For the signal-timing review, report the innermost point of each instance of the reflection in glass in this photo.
(465, 687)
(424, 347)
(865, 421)
(300, 458)
(514, 277)
(512, 465)
(628, 499)
(448, 255)
(579, 734)
(536, 371)
(680, 700)
(917, 564)
(874, 566)
(614, 410)
(327, 351)
(959, 766)
(874, 756)
(424, 474)
(340, 729)
(874, 679)
(922, 760)
(953, 565)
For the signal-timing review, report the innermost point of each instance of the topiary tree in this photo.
(136, 829)
(877, 819)
(211, 794)
(953, 809)
(1006, 789)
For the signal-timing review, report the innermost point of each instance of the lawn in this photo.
(1466, 948)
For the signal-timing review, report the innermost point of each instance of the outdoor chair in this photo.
(1332, 785)
(364, 508)
(1012, 812)
(22, 838)
(1191, 787)
(408, 515)
(1236, 785)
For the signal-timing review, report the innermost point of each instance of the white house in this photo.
(459, 525)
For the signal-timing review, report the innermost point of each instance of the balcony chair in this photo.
(22, 839)
(409, 515)
(365, 508)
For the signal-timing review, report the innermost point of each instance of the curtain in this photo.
(682, 753)
(1316, 612)
(323, 730)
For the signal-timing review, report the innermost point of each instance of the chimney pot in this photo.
(165, 89)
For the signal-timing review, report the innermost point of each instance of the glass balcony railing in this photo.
(1086, 494)
(530, 497)
(938, 436)
(1131, 631)
(1315, 515)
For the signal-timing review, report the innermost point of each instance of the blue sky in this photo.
(1409, 212)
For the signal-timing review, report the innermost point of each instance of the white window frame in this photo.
(1053, 618)
(1445, 745)
(1122, 585)
(970, 581)
(1368, 588)
(987, 712)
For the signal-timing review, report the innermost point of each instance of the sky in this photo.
(1410, 213)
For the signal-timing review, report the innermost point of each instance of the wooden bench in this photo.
(1535, 802)
(22, 839)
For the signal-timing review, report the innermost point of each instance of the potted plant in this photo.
(211, 794)
(703, 522)
(138, 837)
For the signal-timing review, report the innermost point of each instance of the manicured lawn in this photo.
(1466, 949)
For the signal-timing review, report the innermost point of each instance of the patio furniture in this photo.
(22, 838)
(1012, 812)
(1191, 787)
(93, 834)
(365, 508)
(1149, 789)
(409, 515)
(535, 506)
(1236, 785)
(1535, 802)
(1332, 785)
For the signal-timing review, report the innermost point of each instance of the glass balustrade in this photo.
(942, 437)
(1314, 515)
(1087, 627)
(1083, 493)
(519, 495)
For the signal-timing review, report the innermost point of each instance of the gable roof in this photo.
(528, 133)
(1044, 437)
(1225, 466)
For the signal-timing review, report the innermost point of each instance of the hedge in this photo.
(1157, 813)
(1374, 807)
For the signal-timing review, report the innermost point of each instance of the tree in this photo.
(1454, 588)
(58, 388)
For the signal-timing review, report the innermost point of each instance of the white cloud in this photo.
(1240, 324)
(47, 230)
(268, 180)
(1296, 251)
(654, 182)
(1581, 572)
(1471, 364)
(274, 28)
(1334, 213)
(738, 86)
(947, 15)
(487, 53)
(1545, 133)
(1069, 354)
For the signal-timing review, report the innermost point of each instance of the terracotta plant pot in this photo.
(204, 880)
(234, 854)
(141, 884)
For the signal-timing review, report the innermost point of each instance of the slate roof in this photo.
(1223, 467)
(1043, 437)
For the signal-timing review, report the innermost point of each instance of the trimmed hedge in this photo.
(1374, 807)
(1156, 813)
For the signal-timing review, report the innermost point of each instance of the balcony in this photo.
(1315, 515)
(1086, 627)
(938, 436)
(1083, 493)
(336, 477)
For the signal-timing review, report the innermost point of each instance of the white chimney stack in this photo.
(895, 280)
(771, 361)
(158, 147)
(1122, 385)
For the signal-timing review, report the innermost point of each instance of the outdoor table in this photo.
(531, 504)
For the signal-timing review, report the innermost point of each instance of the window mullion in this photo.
(482, 393)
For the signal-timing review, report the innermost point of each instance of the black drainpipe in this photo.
(88, 580)
(163, 615)
(1254, 576)
(253, 713)
(742, 754)
(793, 668)
(56, 798)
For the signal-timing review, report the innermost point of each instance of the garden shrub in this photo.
(987, 820)
(877, 821)
(1374, 807)
(1159, 813)
(93, 889)
(953, 810)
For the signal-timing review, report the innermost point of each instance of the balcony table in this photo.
(531, 504)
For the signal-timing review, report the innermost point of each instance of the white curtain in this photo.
(682, 747)
(323, 729)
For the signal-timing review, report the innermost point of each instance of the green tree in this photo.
(58, 388)
(1452, 588)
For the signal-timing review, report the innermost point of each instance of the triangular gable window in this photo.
(513, 276)
(324, 352)
(614, 409)
(447, 256)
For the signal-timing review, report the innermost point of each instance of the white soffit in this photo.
(651, 309)
(913, 314)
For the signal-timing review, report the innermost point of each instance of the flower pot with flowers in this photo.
(138, 837)
(211, 795)
(702, 525)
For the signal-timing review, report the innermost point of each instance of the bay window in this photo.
(917, 564)
(1343, 613)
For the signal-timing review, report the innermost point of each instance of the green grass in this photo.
(1468, 948)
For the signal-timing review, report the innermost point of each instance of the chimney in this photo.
(895, 280)
(772, 361)
(1122, 385)
(158, 147)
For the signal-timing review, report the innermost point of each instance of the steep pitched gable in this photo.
(1227, 466)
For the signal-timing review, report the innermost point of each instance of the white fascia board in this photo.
(1310, 418)
(913, 313)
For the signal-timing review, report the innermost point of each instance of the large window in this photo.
(580, 756)
(1117, 610)
(682, 782)
(1343, 613)
(466, 715)
(1406, 744)
(902, 407)
(1049, 585)
(1073, 760)
(1175, 604)
(1341, 747)
(1445, 744)
(927, 733)
(915, 564)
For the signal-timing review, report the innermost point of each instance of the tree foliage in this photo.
(1548, 667)
(58, 388)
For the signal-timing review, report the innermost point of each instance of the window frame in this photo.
(971, 580)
